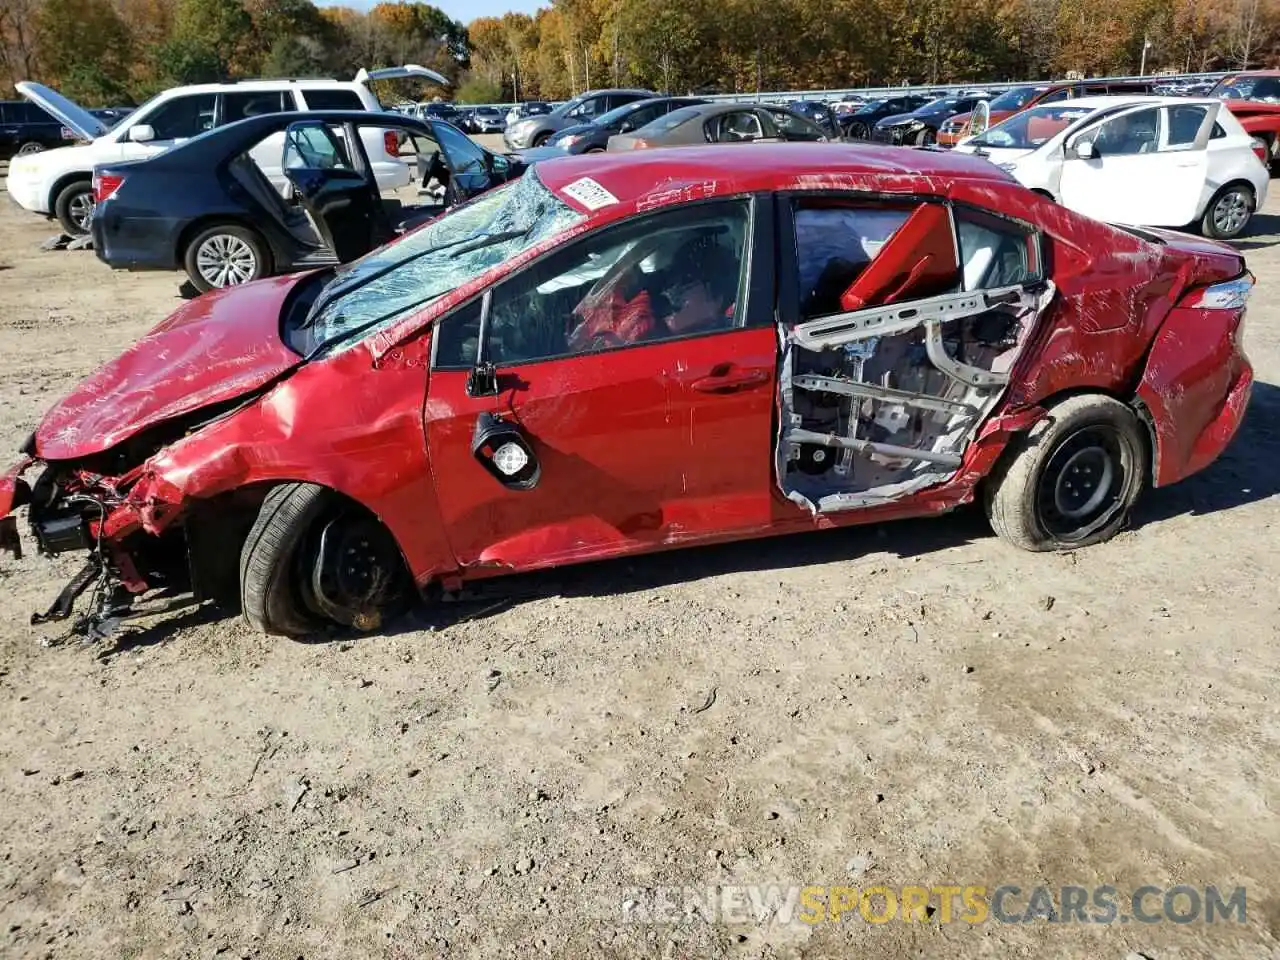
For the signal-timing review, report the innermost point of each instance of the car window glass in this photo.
(1056, 95)
(638, 118)
(238, 106)
(321, 98)
(738, 127)
(795, 128)
(1218, 132)
(1129, 134)
(182, 117)
(1184, 124)
(834, 245)
(463, 153)
(993, 252)
(668, 276)
(314, 146)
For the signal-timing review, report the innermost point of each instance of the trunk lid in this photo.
(73, 116)
(215, 348)
(1207, 261)
(401, 73)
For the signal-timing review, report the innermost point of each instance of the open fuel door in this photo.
(332, 178)
(905, 323)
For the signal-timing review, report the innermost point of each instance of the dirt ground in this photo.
(914, 704)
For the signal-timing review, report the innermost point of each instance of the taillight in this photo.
(105, 185)
(1229, 295)
(1261, 151)
(391, 141)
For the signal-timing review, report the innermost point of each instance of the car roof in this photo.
(631, 176)
(1252, 73)
(249, 86)
(1100, 102)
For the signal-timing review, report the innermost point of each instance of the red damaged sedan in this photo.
(620, 354)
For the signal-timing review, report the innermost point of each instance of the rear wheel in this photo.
(225, 255)
(1228, 212)
(314, 559)
(74, 207)
(1073, 479)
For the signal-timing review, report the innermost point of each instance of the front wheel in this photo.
(1073, 479)
(927, 137)
(1228, 213)
(541, 140)
(30, 147)
(314, 559)
(225, 255)
(859, 131)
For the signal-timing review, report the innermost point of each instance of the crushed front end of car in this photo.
(144, 552)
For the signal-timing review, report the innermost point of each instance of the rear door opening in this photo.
(904, 323)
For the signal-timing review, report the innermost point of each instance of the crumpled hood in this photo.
(215, 348)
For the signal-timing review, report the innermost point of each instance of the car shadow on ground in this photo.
(1247, 471)
(1263, 232)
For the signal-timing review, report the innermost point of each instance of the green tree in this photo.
(478, 90)
(84, 48)
(212, 32)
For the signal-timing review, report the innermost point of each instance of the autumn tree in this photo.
(84, 48)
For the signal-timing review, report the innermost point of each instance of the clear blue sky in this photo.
(462, 10)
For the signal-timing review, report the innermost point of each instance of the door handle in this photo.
(731, 381)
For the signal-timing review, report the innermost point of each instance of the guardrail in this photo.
(748, 96)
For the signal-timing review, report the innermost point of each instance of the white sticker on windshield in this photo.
(590, 194)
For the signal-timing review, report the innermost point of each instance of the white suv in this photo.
(58, 183)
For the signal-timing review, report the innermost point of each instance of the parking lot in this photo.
(911, 704)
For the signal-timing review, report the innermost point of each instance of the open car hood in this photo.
(215, 348)
(73, 116)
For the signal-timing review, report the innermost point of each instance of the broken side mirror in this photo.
(482, 381)
(502, 449)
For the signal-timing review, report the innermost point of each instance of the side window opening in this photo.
(911, 319)
(182, 117)
(665, 277)
(1184, 124)
(321, 98)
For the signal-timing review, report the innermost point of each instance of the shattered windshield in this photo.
(392, 281)
(1031, 128)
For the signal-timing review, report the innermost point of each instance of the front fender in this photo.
(342, 424)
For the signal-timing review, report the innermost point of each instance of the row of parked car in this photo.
(232, 182)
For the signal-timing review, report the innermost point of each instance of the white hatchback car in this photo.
(58, 183)
(1139, 161)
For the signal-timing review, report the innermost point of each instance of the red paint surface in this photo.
(216, 347)
(652, 446)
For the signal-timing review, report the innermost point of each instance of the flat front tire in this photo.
(313, 560)
(1072, 479)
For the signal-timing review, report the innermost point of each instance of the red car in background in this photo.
(1254, 99)
(1018, 99)
(627, 353)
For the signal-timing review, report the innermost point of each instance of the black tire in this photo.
(279, 559)
(73, 206)
(927, 137)
(30, 147)
(1229, 212)
(858, 131)
(1033, 496)
(594, 150)
(541, 139)
(247, 257)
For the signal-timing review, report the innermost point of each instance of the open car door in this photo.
(332, 178)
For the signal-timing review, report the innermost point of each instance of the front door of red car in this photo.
(622, 399)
